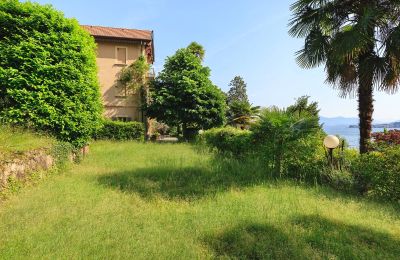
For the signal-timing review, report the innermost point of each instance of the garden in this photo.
(150, 200)
(243, 181)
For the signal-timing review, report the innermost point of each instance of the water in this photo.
(352, 135)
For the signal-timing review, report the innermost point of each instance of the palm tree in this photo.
(242, 113)
(359, 43)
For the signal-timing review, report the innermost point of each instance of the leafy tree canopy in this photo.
(242, 113)
(359, 44)
(197, 50)
(48, 72)
(183, 94)
(303, 106)
(238, 91)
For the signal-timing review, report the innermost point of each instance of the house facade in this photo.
(116, 49)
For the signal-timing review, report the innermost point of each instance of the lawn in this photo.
(156, 201)
(18, 140)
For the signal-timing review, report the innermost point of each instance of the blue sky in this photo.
(246, 38)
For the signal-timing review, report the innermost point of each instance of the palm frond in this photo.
(342, 76)
(315, 50)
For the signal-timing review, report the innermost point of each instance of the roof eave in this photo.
(113, 38)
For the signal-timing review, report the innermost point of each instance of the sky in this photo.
(246, 38)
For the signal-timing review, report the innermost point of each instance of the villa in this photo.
(117, 48)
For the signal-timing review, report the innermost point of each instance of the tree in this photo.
(182, 94)
(359, 43)
(197, 50)
(238, 91)
(48, 72)
(303, 106)
(242, 113)
(283, 132)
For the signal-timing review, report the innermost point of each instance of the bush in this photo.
(48, 73)
(305, 160)
(159, 128)
(288, 144)
(61, 152)
(229, 141)
(386, 138)
(378, 173)
(115, 130)
(288, 137)
(339, 180)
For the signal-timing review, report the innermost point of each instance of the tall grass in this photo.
(168, 201)
(19, 140)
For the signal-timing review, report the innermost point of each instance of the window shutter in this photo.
(121, 55)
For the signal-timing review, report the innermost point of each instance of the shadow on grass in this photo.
(172, 180)
(185, 182)
(254, 241)
(304, 238)
(334, 238)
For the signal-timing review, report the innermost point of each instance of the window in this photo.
(121, 118)
(121, 53)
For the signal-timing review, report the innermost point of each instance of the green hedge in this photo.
(229, 140)
(48, 72)
(116, 130)
(378, 173)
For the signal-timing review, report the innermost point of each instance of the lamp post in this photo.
(331, 142)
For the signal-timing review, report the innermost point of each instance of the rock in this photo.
(21, 165)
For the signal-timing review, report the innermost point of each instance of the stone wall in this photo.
(19, 166)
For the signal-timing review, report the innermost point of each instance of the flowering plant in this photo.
(389, 138)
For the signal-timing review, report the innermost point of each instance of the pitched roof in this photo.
(118, 33)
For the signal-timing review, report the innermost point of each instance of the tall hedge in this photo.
(48, 72)
(115, 130)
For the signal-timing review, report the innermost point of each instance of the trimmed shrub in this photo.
(378, 173)
(229, 141)
(116, 130)
(48, 72)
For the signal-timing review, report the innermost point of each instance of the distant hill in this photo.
(385, 125)
(335, 121)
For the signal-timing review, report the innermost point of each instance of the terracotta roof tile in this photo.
(120, 33)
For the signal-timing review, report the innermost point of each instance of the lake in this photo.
(352, 135)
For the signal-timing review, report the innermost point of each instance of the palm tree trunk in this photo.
(365, 105)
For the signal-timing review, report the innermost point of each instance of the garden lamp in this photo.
(331, 142)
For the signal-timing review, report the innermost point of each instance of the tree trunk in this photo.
(184, 131)
(365, 106)
(179, 130)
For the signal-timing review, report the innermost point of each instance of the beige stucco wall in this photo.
(115, 104)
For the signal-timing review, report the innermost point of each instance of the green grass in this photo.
(168, 201)
(18, 140)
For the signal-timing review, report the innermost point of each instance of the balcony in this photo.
(151, 74)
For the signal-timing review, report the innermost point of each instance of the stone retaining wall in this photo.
(19, 166)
